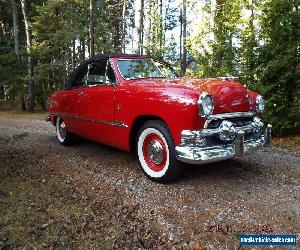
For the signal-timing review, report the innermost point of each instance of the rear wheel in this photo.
(156, 152)
(63, 135)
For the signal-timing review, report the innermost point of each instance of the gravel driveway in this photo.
(208, 208)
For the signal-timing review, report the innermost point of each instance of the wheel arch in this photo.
(137, 124)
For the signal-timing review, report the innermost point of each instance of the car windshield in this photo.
(144, 68)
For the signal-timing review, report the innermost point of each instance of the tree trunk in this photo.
(141, 29)
(29, 56)
(167, 10)
(16, 31)
(160, 37)
(148, 24)
(252, 43)
(91, 30)
(213, 9)
(117, 23)
(124, 27)
(138, 33)
(180, 37)
(184, 59)
(216, 12)
(20, 107)
(73, 53)
(82, 43)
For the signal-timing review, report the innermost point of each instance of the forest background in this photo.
(41, 41)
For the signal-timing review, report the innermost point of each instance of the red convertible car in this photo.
(136, 103)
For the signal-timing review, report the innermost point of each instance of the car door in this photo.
(72, 109)
(96, 103)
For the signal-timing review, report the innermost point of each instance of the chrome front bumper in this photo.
(239, 147)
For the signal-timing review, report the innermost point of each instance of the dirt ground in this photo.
(91, 196)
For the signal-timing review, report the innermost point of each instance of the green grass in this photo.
(286, 142)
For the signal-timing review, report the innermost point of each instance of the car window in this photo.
(99, 72)
(138, 68)
(165, 69)
(110, 73)
(81, 76)
(96, 73)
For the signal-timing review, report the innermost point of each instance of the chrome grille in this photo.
(238, 122)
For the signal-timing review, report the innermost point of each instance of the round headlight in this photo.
(206, 104)
(260, 104)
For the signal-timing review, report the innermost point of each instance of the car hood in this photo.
(229, 96)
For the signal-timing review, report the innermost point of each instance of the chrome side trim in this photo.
(120, 124)
(116, 123)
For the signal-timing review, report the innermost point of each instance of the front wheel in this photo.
(156, 152)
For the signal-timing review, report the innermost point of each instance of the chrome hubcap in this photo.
(155, 151)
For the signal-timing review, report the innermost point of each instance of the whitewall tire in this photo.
(156, 152)
(64, 137)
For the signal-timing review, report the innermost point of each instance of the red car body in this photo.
(112, 114)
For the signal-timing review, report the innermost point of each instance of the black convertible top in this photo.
(96, 58)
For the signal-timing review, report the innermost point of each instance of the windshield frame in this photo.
(147, 58)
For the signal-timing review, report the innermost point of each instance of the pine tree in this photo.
(183, 35)
(279, 64)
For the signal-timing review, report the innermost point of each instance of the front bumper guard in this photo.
(239, 147)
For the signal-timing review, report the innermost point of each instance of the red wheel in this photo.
(155, 149)
(155, 152)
